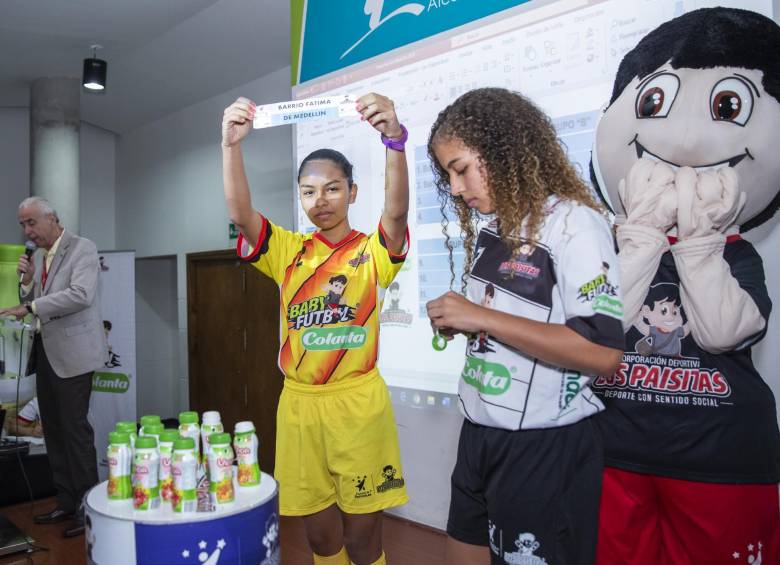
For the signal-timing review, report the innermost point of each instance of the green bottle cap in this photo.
(150, 419)
(127, 427)
(184, 443)
(118, 437)
(169, 435)
(153, 429)
(219, 439)
(188, 417)
(146, 442)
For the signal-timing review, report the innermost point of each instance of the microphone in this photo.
(29, 249)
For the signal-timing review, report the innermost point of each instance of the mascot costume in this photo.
(687, 156)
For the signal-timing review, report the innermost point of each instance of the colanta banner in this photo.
(113, 386)
(327, 36)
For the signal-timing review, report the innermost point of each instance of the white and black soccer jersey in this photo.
(569, 277)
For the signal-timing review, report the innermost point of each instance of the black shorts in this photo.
(532, 496)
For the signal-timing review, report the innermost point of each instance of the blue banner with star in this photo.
(250, 537)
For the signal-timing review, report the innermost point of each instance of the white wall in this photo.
(97, 166)
(97, 156)
(14, 169)
(157, 332)
(169, 201)
(169, 175)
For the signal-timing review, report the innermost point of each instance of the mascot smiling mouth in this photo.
(642, 151)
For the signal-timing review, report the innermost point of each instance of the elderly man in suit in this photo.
(59, 286)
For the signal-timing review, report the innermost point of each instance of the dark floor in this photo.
(405, 543)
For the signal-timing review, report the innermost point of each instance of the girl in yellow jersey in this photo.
(338, 462)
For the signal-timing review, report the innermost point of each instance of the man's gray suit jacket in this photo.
(68, 308)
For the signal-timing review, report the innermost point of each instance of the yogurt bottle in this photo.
(167, 438)
(221, 490)
(146, 420)
(119, 455)
(184, 469)
(146, 489)
(189, 427)
(212, 424)
(130, 429)
(246, 445)
(153, 430)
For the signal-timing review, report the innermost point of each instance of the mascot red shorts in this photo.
(650, 520)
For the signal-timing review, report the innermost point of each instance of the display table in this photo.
(247, 531)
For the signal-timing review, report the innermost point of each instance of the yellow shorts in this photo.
(338, 443)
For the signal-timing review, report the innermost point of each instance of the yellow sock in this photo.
(341, 558)
(380, 561)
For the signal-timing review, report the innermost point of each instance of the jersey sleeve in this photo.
(589, 280)
(748, 268)
(29, 413)
(386, 262)
(273, 251)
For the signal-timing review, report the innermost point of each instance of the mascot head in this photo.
(703, 91)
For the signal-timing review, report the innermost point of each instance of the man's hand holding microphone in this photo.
(26, 270)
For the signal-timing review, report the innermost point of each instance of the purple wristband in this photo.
(396, 144)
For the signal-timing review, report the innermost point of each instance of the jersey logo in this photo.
(359, 260)
(393, 314)
(602, 294)
(329, 308)
(521, 266)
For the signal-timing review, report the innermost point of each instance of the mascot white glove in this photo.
(707, 202)
(650, 200)
(649, 196)
(721, 314)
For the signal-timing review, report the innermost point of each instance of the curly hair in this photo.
(521, 160)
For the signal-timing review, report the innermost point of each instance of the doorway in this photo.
(233, 344)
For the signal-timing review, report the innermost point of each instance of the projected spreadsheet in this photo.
(563, 55)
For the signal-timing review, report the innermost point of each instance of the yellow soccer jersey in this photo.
(330, 299)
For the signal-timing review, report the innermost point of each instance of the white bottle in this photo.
(146, 486)
(189, 427)
(119, 457)
(167, 438)
(185, 476)
(212, 424)
(221, 491)
(245, 446)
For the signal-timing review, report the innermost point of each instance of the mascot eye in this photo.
(656, 96)
(731, 101)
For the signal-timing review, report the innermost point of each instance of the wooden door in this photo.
(264, 379)
(233, 335)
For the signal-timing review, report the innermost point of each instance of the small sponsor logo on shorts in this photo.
(361, 490)
(526, 544)
(753, 556)
(494, 547)
(389, 480)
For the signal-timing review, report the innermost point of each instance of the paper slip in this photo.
(306, 110)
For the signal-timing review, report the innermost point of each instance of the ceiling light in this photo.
(94, 77)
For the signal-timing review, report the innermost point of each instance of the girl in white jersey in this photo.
(542, 311)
